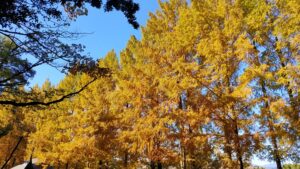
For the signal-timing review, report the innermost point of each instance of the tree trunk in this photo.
(152, 165)
(125, 159)
(100, 164)
(228, 148)
(276, 153)
(278, 163)
(270, 125)
(159, 165)
(241, 162)
(238, 147)
(184, 159)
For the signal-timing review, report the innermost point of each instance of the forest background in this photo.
(105, 38)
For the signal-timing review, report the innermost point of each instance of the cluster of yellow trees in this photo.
(210, 84)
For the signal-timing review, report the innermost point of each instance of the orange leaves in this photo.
(206, 85)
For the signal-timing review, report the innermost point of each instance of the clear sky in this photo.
(108, 31)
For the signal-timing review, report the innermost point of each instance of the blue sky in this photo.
(108, 31)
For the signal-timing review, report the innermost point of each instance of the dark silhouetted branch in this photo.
(33, 103)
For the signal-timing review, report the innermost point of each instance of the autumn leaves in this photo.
(209, 85)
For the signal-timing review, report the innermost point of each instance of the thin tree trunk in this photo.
(276, 153)
(184, 159)
(100, 164)
(126, 159)
(159, 165)
(273, 138)
(181, 106)
(12, 153)
(241, 162)
(227, 133)
(238, 147)
(152, 165)
(228, 148)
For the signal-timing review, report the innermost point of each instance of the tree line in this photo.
(209, 85)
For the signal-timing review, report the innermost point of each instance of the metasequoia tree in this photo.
(173, 48)
(209, 84)
(275, 45)
(76, 132)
